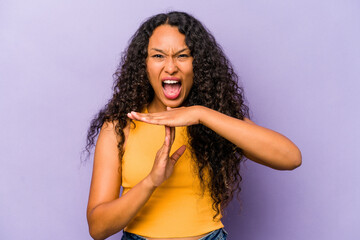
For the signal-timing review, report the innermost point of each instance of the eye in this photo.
(157, 56)
(183, 56)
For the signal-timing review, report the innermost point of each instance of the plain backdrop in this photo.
(299, 62)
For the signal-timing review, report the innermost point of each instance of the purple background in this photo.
(299, 62)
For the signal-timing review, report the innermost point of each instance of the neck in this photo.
(155, 106)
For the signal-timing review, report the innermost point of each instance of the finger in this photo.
(132, 115)
(157, 121)
(172, 135)
(167, 118)
(151, 118)
(177, 154)
(129, 115)
(167, 142)
(168, 135)
(139, 116)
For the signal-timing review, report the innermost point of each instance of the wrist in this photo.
(149, 184)
(200, 112)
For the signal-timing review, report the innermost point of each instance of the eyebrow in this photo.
(159, 50)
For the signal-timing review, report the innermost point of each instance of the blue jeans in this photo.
(219, 234)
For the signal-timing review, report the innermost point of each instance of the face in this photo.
(169, 68)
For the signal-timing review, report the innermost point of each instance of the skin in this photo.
(168, 56)
(107, 213)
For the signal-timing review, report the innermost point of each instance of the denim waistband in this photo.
(219, 234)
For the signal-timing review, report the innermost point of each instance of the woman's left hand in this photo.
(173, 117)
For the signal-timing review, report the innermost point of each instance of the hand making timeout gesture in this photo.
(164, 163)
(259, 144)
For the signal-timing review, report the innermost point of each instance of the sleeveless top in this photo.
(178, 207)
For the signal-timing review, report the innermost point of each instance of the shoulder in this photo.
(108, 132)
(107, 142)
(109, 129)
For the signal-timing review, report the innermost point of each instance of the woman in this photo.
(174, 78)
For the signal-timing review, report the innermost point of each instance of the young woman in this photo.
(173, 136)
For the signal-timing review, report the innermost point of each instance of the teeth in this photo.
(170, 81)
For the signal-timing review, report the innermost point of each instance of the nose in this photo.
(171, 66)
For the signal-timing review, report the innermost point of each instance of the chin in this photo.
(173, 103)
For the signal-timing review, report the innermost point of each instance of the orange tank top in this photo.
(177, 208)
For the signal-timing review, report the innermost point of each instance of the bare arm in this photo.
(107, 214)
(259, 144)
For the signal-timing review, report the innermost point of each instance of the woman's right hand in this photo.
(164, 164)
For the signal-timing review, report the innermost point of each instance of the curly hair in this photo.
(214, 86)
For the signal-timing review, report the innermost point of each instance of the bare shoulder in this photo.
(109, 133)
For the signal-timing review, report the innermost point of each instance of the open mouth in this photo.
(171, 88)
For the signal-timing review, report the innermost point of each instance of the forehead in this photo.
(167, 37)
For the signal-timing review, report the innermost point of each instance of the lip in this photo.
(171, 78)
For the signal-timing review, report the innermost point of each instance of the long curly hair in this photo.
(214, 86)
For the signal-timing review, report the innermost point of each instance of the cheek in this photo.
(187, 68)
(153, 68)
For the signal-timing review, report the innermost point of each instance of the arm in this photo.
(107, 214)
(259, 144)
